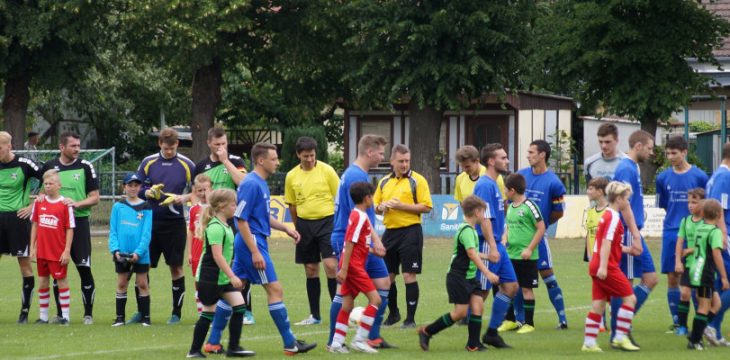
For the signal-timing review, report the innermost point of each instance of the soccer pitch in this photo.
(161, 341)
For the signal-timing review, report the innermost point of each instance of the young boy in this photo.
(353, 275)
(597, 195)
(50, 242)
(709, 244)
(608, 280)
(462, 286)
(201, 188)
(682, 258)
(130, 230)
(524, 229)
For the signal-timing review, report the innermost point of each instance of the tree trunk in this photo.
(206, 98)
(648, 167)
(15, 106)
(424, 130)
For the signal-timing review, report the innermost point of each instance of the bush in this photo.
(288, 147)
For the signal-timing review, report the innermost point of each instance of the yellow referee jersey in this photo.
(464, 185)
(402, 188)
(312, 192)
(593, 218)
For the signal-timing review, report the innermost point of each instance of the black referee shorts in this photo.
(315, 243)
(81, 245)
(168, 238)
(14, 234)
(404, 247)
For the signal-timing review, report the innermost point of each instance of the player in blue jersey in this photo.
(546, 190)
(718, 187)
(370, 153)
(251, 260)
(638, 263)
(165, 177)
(491, 245)
(672, 186)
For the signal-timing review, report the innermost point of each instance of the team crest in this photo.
(14, 176)
(225, 171)
(140, 216)
(77, 177)
(521, 212)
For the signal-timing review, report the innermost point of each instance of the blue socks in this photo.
(281, 319)
(556, 297)
(499, 309)
(334, 311)
(375, 329)
(519, 306)
(673, 302)
(615, 306)
(642, 293)
(222, 314)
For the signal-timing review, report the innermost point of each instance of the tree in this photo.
(45, 45)
(432, 56)
(629, 57)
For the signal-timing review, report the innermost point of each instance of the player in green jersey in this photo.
(683, 254)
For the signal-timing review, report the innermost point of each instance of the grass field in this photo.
(161, 341)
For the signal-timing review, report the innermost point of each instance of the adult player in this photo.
(251, 261)
(15, 210)
(401, 197)
(370, 150)
(718, 188)
(546, 190)
(80, 188)
(174, 171)
(604, 164)
(639, 263)
(309, 190)
(672, 186)
(490, 233)
(225, 171)
(468, 158)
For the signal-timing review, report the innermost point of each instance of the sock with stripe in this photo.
(143, 306)
(201, 329)
(332, 287)
(623, 321)
(281, 319)
(28, 285)
(121, 305)
(393, 299)
(519, 305)
(717, 320)
(44, 298)
(178, 294)
(64, 296)
(88, 289)
(223, 312)
(366, 323)
(474, 330)
(593, 325)
(412, 295)
(314, 288)
(334, 313)
(556, 297)
(236, 327)
(682, 313)
(441, 323)
(642, 293)
(615, 306)
(698, 327)
(375, 331)
(341, 326)
(247, 296)
(673, 295)
(499, 310)
(530, 312)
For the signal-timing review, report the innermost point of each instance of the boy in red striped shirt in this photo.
(352, 275)
(50, 238)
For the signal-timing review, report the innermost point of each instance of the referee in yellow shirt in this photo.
(468, 158)
(309, 190)
(402, 196)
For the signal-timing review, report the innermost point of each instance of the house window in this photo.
(378, 127)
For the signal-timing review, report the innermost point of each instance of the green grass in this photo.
(163, 341)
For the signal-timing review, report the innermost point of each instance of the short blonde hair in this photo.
(369, 141)
(51, 173)
(5, 137)
(614, 189)
(202, 178)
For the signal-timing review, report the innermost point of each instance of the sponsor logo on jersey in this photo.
(49, 221)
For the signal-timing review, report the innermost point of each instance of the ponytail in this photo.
(218, 198)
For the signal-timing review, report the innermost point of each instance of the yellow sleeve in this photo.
(332, 180)
(378, 197)
(457, 189)
(423, 192)
(500, 185)
(289, 196)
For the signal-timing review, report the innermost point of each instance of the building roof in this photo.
(720, 8)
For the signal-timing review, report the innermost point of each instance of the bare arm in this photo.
(539, 233)
(488, 234)
(66, 256)
(678, 255)
(628, 216)
(92, 198)
(346, 255)
(248, 239)
(603, 264)
(474, 257)
(220, 260)
(720, 265)
(293, 212)
(33, 239)
(555, 216)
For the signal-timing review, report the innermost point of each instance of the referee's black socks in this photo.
(178, 293)
(314, 288)
(412, 294)
(332, 287)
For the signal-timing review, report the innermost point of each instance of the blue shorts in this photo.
(244, 269)
(545, 259)
(503, 268)
(375, 266)
(669, 243)
(635, 266)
